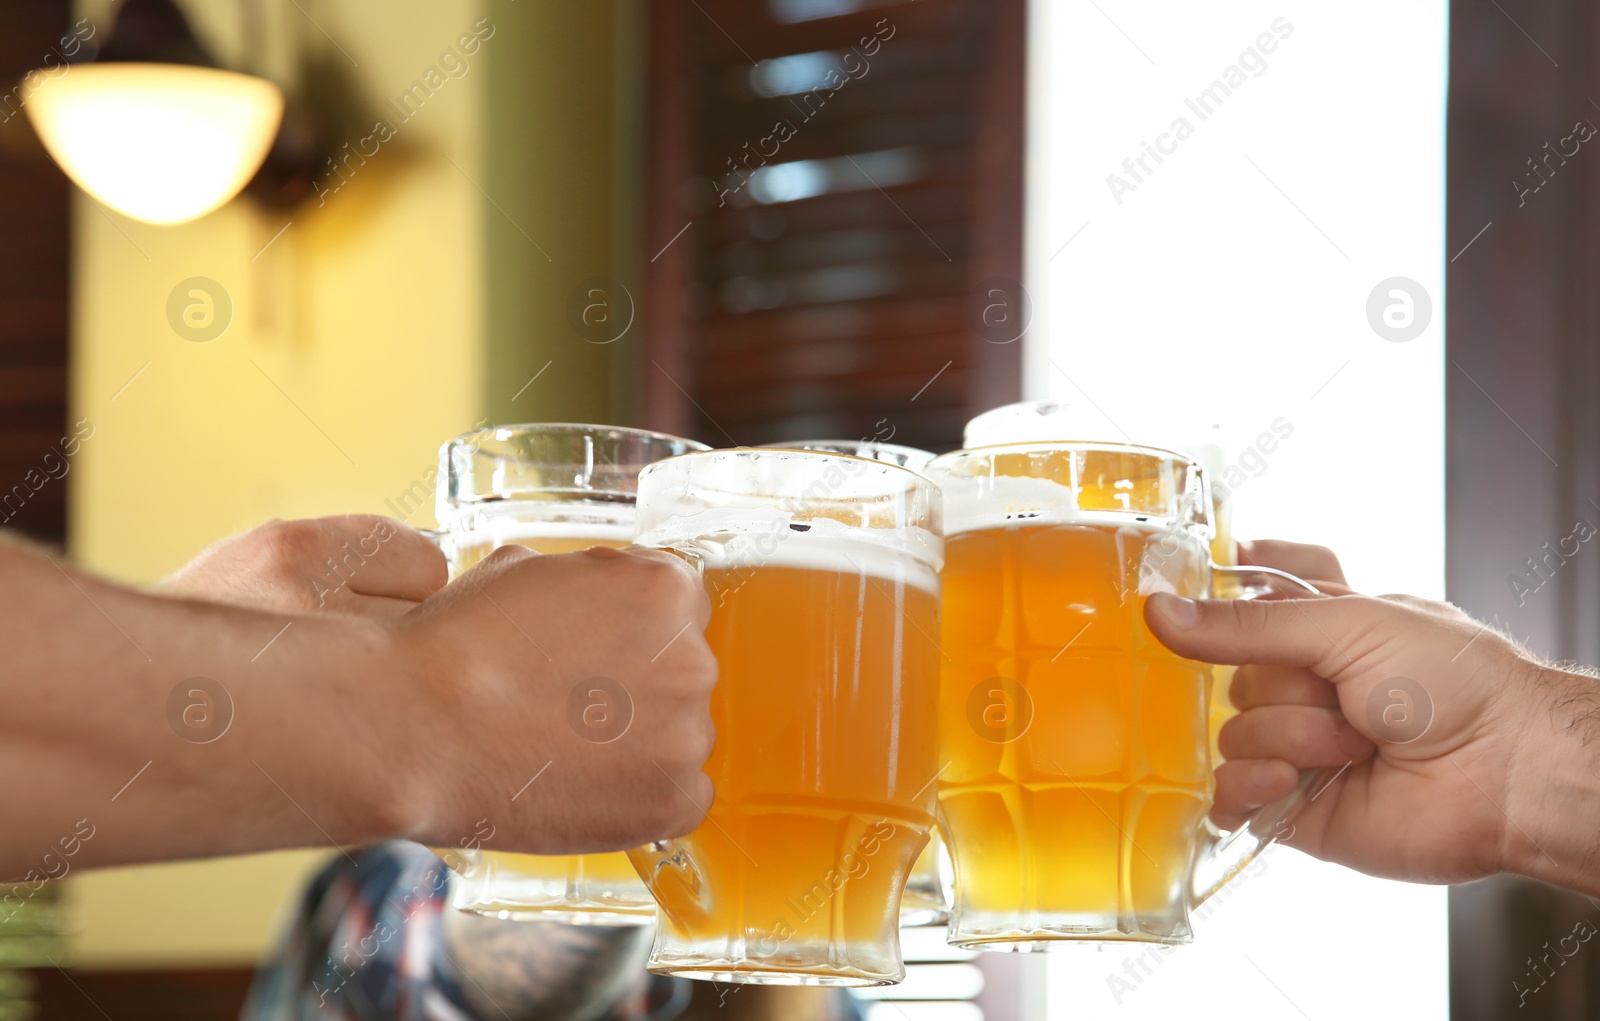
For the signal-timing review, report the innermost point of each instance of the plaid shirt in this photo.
(367, 944)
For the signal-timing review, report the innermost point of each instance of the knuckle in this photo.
(1231, 782)
(679, 821)
(698, 740)
(702, 669)
(659, 588)
(289, 545)
(1241, 690)
(1303, 730)
(1322, 558)
(1248, 617)
(435, 562)
(665, 576)
(708, 744)
(677, 758)
(666, 815)
(1233, 740)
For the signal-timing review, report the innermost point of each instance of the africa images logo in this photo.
(199, 310)
(599, 709)
(199, 710)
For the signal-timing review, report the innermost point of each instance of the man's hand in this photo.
(1456, 748)
(352, 563)
(565, 699)
(541, 703)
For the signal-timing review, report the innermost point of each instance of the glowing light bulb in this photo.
(162, 143)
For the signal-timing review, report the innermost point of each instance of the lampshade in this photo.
(162, 143)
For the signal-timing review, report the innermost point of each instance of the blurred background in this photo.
(751, 220)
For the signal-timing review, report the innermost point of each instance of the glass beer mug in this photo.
(1079, 773)
(924, 902)
(889, 453)
(554, 488)
(1061, 421)
(823, 576)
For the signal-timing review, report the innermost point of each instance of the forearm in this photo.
(1554, 804)
(111, 759)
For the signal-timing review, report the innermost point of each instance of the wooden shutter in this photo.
(834, 192)
(34, 230)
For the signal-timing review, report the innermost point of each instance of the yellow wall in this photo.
(566, 128)
(357, 341)
(396, 315)
(361, 339)
(367, 312)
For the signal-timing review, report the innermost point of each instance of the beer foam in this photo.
(1013, 501)
(743, 539)
(973, 502)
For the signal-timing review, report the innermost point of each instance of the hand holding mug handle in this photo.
(1225, 854)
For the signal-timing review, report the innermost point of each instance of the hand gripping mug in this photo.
(1077, 769)
(823, 576)
(554, 488)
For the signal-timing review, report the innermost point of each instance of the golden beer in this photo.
(1088, 815)
(554, 488)
(825, 709)
(1078, 771)
(924, 901)
(1055, 421)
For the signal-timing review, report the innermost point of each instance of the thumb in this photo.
(1323, 634)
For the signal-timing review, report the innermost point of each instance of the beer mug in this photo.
(554, 488)
(889, 453)
(924, 902)
(1078, 773)
(823, 576)
(1061, 421)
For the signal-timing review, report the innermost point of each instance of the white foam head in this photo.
(773, 541)
(793, 507)
(977, 497)
(1205, 441)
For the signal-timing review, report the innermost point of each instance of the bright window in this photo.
(1204, 253)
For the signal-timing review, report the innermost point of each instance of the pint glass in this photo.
(924, 901)
(554, 488)
(1079, 772)
(823, 576)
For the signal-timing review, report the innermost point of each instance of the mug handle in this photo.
(1225, 854)
(668, 855)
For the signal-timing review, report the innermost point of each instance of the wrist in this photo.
(355, 688)
(1553, 801)
(183, 728)
(310, 746)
